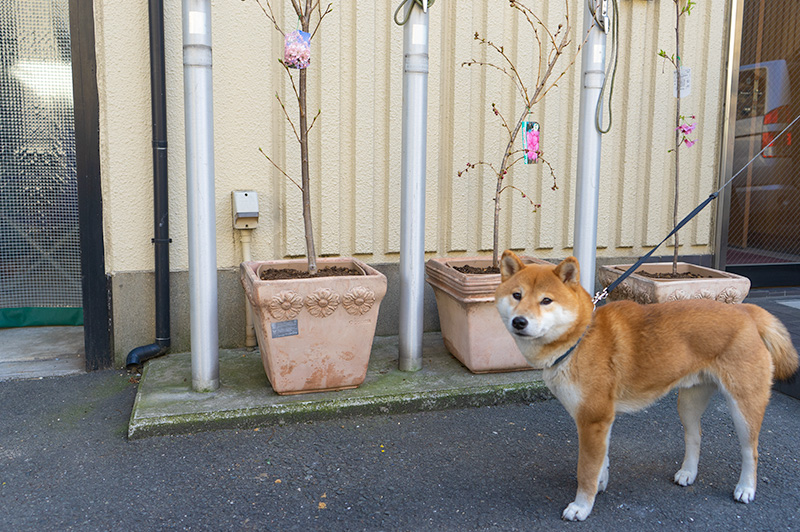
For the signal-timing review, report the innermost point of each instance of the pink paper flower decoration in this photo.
(297, 49)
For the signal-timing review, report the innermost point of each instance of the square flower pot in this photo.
(314, 334)
(472, 330)
(714, 284)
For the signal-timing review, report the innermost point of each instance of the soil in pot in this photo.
(476, 271)
(330, 271)
(670, 275)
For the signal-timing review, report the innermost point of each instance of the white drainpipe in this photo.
(593, 62)
(412, 199)
(200, 194)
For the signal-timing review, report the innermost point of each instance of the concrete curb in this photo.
(165, 403)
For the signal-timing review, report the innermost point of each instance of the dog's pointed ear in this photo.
(509, 265)
(568, 271)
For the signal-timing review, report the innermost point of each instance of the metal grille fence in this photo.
(764, 223)
(39, 247)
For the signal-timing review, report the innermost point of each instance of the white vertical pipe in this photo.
(250, 331)
(593, 59)
(412, 199)
(200, 194)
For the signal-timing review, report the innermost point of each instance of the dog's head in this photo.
(540, 304)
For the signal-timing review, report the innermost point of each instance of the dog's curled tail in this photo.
(775, 336)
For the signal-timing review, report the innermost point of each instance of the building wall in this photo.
(356, 81)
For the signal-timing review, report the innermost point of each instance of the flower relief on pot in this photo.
(322, 303)
(730, 295)
(359, 300)
(624, 290)
(285, 305)
(678, 295)
(645, 297)
(705, 293)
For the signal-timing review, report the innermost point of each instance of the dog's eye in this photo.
(546, 301)
(517, 295)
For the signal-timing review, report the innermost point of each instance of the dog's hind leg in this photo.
(747, 414)
(592, 456)
(692, 402)
(747, 392)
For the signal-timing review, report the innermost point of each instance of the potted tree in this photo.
(663, 281)
(464, 288)
(314, 318)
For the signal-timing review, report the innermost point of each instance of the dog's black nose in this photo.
(519, 323)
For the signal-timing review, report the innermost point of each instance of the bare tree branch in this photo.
(534, 26)
(552, 172)
(291, 78)
(319, 112)
(286, 114)
(321, 16)
(529, 13)
(502, 118)
(479, 163)
(514, 74)
(535, 205)
(521, 89)
(270, 15)
(280, 169)
(518, 159)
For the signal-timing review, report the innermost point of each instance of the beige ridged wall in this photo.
(356, 80)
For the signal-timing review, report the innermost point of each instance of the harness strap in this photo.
(569, 351)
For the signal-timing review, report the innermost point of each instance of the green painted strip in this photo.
(39, 316)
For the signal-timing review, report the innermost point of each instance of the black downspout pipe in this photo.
(139, 355)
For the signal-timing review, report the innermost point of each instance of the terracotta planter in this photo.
(471, 327)
(314, 334)
(719, 285)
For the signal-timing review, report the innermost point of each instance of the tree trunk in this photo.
(677, 131)
(305, 183)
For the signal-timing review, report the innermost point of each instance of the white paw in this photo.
(744, 494)
(576, 512)
(684, 477)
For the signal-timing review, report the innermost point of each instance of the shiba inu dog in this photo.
(624, 356)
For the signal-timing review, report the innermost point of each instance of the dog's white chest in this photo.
(565, 391)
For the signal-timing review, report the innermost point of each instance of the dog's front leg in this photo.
(592, 452)
(692, 402)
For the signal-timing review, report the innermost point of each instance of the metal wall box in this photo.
(245, 209)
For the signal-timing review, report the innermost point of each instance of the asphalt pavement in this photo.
(66, 464)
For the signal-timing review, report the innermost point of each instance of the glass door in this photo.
(764, 217)
(40, 269)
